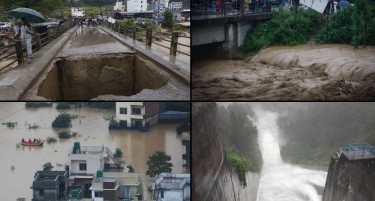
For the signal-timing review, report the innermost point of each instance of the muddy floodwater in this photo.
(136, 146)
(306, 72)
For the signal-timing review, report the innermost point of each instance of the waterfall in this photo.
(281, 181)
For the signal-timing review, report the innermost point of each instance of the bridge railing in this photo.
(167, 40)
(227, 9)
(16, 51)
(357, 151)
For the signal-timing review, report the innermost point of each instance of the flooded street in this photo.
(325, 72)
(136, 146)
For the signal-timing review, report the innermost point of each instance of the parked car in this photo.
(5, 24)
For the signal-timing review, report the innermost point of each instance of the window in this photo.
(82, 166)
(161, 194)
(123, 110)
(98, 194)
(41, 192)
(136, 111)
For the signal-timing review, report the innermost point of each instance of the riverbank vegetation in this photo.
(353, 25)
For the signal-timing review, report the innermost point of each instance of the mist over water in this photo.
(281, 181)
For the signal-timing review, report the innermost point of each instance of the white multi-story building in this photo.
(175, 6)
(84, 162)
(78, 12)
(136, 5)
(120, 6)
(171, 186)
(137, 114)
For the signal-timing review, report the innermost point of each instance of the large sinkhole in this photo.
(87, 77)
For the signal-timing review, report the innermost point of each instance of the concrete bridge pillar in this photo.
(230, 45)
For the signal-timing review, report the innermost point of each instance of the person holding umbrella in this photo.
(25, 36)
(25, 31)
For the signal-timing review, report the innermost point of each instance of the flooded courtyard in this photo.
(93, 130)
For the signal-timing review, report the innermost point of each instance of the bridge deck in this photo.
(92, 41)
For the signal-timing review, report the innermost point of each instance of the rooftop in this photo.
(127, 179)
(48, 175)
(91, 150)
(172, 181)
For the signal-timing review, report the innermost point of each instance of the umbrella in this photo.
(31, 15)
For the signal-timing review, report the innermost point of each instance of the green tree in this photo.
(46, 7)
(168, 18)
(131, 169)
(47, 166)
(360, 20)
(62, 121)
(158, 163)
(118, 153)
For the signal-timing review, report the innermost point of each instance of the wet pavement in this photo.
(92, 40)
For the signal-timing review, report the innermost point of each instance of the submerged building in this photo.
(50, 185)
(84, 161)
(137, 114)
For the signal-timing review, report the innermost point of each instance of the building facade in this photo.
(50, 185)
(136, 5)
(137, 114)
(117, 186)
(78, 12)
(171, 186)
(120, 6)
(176, 6)
(84, 162)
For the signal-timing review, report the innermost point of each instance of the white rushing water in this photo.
(281, 181)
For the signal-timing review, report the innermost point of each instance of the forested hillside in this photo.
(312, 134)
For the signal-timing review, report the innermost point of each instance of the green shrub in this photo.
(64, 135)
(242, 164)
(168, 18)
(283, 29)
(348, 26)
(51, 139)
(118, 153)
(37, 104)
(62, 121)
(63, 106)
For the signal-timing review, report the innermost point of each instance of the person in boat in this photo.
(23, 140)
(12, 168)
(29, 140)
(34, 140)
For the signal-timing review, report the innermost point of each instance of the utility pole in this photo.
(100, 7)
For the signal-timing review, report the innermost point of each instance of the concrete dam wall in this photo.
(350, 180)
(214, 178)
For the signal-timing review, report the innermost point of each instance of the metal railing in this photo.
(357, 151)
(149, 37)
(15, 52)
(230, 9)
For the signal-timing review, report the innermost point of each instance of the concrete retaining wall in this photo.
(350, 180)
(214, 179)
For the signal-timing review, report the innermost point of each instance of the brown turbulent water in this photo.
(307, 72)
(136, 146)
